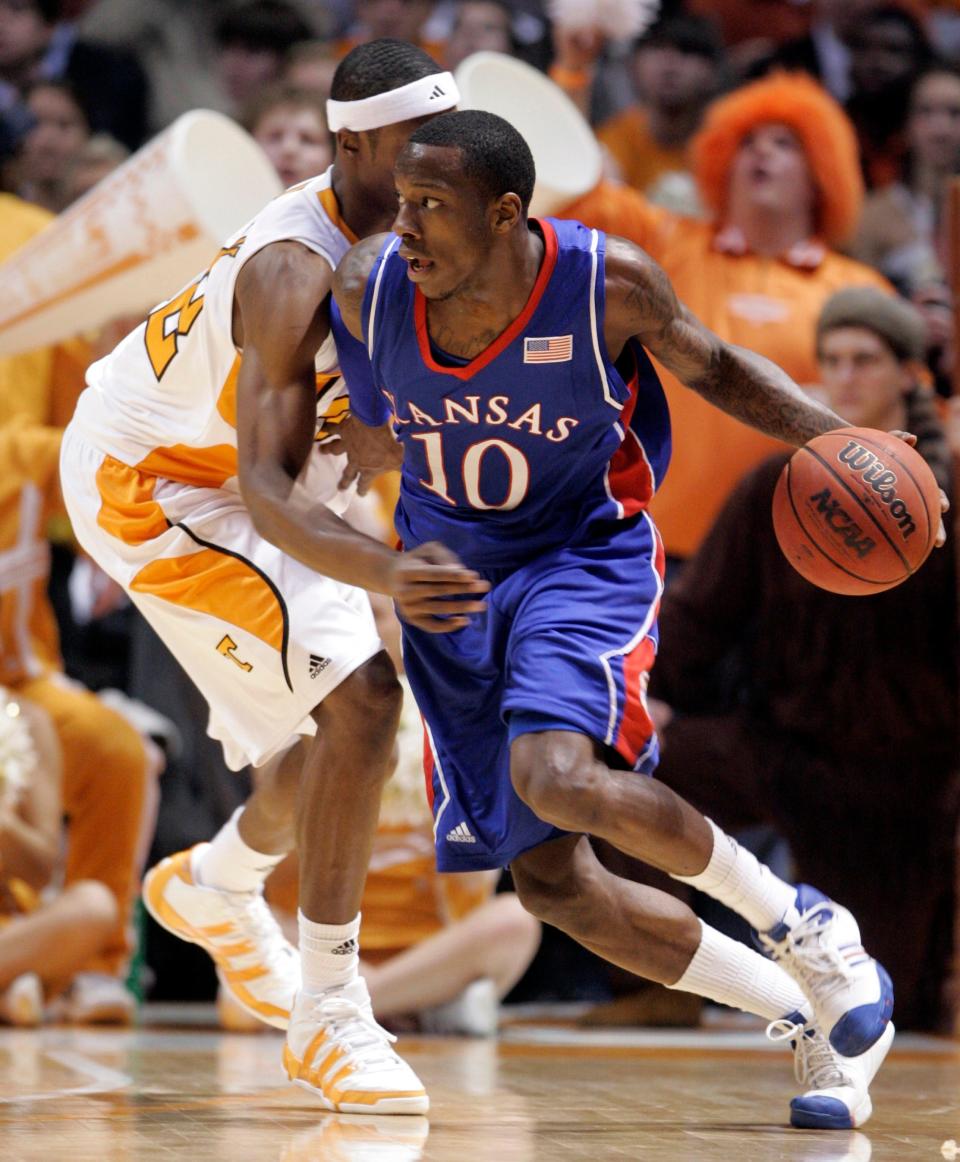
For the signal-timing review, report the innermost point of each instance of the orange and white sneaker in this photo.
(21, 1003)
(336, 1049)
(255, 962)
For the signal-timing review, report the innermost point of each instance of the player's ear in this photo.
(348, 141)
(508, 211)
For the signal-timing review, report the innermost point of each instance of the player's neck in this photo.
(478, 312)
(362, 210)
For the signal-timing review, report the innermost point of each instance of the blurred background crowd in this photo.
(790, 164)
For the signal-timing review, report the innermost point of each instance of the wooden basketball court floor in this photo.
(168, 1090)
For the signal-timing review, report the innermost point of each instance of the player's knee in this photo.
(552, 773)
(95, 903)
(553, 901)
(368, 702)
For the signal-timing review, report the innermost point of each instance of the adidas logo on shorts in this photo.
(317, 665)
(461, 834)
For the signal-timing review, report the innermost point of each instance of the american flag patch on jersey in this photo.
(555, 349)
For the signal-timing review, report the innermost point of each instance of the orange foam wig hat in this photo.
(824, 131)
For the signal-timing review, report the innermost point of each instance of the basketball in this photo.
(856, 511)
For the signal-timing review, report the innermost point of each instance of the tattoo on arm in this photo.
(758, 392)
(740, 382)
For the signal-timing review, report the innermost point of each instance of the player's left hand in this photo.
(370, 452)
(911, 439)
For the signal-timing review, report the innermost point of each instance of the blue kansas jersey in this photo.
(520, 449)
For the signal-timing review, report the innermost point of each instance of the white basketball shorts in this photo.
(264, 637)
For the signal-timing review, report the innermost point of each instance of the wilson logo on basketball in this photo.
(836, 517)
(881, 479)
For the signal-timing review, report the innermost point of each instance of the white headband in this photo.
(433, 94)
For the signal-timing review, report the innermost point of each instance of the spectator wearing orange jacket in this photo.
(776, 164)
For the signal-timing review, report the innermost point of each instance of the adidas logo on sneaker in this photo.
(461, 834)
(317, 665)
(346, 948)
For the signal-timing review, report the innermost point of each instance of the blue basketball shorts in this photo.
(566, 643)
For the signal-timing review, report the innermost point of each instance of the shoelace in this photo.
(815, 1061)
(814, 963)
(255, 918)
(356, 1028)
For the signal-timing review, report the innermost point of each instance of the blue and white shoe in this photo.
(838, 1093)
(850, 993)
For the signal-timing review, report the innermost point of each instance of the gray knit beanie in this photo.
(892, 318)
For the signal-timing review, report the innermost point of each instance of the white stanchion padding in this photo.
(138, 235)
(564, 149)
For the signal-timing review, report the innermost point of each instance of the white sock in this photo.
(230, 865)
(726, 971)
(329, 953)
(735, 877)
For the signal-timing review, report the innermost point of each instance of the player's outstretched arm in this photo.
(641, 303)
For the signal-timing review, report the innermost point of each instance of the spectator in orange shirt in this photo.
(776, 164)
(677, 69)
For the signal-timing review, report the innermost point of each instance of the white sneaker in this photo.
(851, 994)
(21, 1003)
(336, 1049)
(473, 1013)
(838, 1093)
(96, 998)
(255, 963)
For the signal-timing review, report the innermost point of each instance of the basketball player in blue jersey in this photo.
(509, 358)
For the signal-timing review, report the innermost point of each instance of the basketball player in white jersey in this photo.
(192, 477)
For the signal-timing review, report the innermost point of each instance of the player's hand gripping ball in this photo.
(856, 511)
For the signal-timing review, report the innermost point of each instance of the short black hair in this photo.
(272, 25)
(496, 159)
(379, 66)
(687, 33)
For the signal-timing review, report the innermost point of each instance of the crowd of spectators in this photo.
(769, 154)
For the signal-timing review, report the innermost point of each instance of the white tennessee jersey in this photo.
(164, 400)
